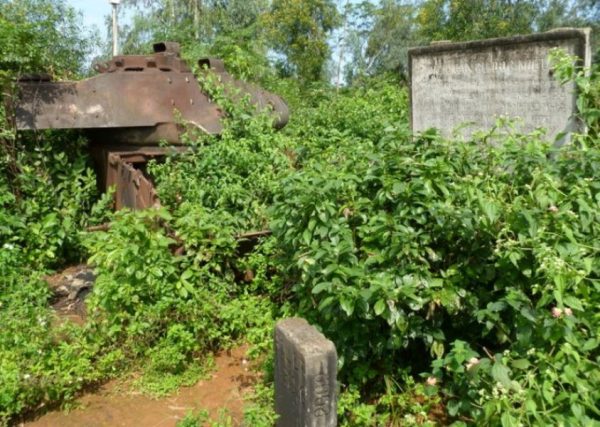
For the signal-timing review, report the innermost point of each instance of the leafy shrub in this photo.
(405, 245)
(41, 230)
(42, 224)
(473, 263)
(40, 36)
(411, 404)
(168, 286)
(172, 310)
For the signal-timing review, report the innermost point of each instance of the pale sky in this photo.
(94, 12)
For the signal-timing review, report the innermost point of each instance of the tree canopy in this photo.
(299, 29)
(41, 35)
(315, 39)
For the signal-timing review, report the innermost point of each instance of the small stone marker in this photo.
(476, 82)
(305, 376)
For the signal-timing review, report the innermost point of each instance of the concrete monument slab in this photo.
(305, 376)
(477, 82)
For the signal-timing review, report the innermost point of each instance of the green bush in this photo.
(473, 264)
(403, 246)
(47, 196)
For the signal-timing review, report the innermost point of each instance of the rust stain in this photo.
(132, 105)
(134, 99)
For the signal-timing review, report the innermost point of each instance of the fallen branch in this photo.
(253, 234)
(170, 233)
(101, 227)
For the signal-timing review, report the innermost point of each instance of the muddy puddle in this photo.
(113, 406)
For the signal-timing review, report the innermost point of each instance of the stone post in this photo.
(305, 376)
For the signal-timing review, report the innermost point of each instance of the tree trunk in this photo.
(197, 5)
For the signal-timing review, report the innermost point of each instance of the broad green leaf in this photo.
(520, 364)
(321, 287)
(379, 307)
(501, 374)
(508, 420)
(347, 305)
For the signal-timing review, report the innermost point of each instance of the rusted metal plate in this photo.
(135, 102)
(120, 101)
(133, 189)
(137, 99)
(123, 167)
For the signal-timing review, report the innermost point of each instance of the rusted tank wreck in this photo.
(129, 107)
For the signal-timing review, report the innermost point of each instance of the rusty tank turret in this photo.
(129, 107)
(133, 99)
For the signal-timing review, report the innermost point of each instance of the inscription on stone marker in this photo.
(305, 376)
(478, 82)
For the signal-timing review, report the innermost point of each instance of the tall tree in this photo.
(188, 21)
(41, 35)
(394, 31)
(475, 19)
(225, 28)
(152, 20)
(380, 36)
(358, 24)
(299, 29)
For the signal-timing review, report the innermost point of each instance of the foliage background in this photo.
(458, 279)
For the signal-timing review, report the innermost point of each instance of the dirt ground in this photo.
(111, 406)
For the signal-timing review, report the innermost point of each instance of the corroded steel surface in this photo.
(123, 168)
(132, 188)
(135, 99)
(135, 102)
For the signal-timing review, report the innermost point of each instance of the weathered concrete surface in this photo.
(305, 376)
(479, 81)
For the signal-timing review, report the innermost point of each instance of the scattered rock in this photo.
(70, 287)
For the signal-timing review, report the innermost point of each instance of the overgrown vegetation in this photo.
(459, 279)
(479, 253)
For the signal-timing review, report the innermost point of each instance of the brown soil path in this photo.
(110, 406)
